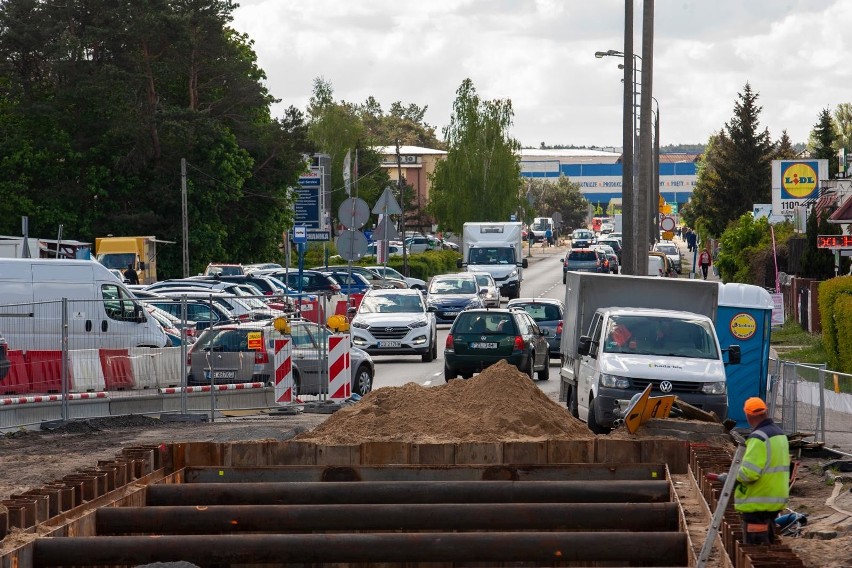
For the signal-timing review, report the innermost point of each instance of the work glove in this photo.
(720, 477)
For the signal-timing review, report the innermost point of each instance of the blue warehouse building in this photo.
(599, 172)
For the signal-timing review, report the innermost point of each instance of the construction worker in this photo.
(763, 480)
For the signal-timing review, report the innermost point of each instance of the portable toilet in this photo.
(744, 318)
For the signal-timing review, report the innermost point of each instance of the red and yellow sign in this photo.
(798, 180)
(255, 340)
(743, 325)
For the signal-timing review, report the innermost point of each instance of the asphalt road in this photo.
(543, 278)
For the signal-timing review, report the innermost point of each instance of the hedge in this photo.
(843, 319)
(830, 291)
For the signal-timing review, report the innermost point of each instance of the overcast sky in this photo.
(797, 55)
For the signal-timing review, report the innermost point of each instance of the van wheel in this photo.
(564, 277)
(544, 374)
(429, 356)
(572, 403)
(593, 419)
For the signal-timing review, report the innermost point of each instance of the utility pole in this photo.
(645, 155)
(655, 178)
(402, 206)
(185, 217)
(628, 197)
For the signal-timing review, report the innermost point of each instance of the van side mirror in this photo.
(584, 346)
(139, 314)
(734, 355)
(524, 263)
(141, 265)
(458, 263)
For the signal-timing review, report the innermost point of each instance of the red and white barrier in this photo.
(51, 398)
(339, 368)
(283, 363)
(207, 388)
(85, 370)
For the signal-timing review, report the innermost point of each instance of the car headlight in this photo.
(719, 387)
(359, 324)
(513, 273)
(614, 381)
(421, 323)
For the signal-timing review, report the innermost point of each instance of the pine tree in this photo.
(823, 141)
(784, 147)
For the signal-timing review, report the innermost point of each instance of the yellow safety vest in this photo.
(763, 481)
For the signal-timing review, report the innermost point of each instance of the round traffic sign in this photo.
(351, 245)
(667, 224)
(353, 213)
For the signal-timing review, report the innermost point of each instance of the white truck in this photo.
(496, 248)
(623, 333)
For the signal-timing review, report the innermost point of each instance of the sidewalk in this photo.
(690, 259)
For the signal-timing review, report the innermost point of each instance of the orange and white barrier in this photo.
(85, 370)
(283, 363)
(51, 398)
(208, 388)
(339, 368)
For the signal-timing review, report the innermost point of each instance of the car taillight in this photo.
(449, 343)
(519, 343)
(190, 332)
(244, 317)
(559, 328)
(261, 357)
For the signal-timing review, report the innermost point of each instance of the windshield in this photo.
(491, 255)
(647, 335)
(667, 249)
(541, 312)
(391, 304)
(452, 286)
(117, 261)
(484, 280)
(582, 235)
(541, 226)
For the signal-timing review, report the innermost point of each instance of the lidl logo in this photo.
(743, 326)
(798, 180)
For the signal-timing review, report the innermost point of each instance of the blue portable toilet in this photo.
(744, 318)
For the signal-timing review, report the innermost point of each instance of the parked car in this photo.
(220, 269)
(607, 228)
(395, 322)
(389, 272)
(584, 260)
(668, 267)
(422, 243)
(222, 355)
(393, 249)
(243, 309)
(374, 278)
(670, 250)
(168, 324)
(491, 298)
(612, 258)
(205, 314)
(450, 294)
(548, 313)
(349, 283)
(582, 238)
(312, 281)
(480, 338)
(614, 243)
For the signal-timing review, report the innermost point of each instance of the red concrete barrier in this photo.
(117, 368)
(17, 381)
(44, 369)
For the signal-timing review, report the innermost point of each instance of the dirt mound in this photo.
(499, 404)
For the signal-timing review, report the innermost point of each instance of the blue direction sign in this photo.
(307, 206)
(319, 235)
(300, 235)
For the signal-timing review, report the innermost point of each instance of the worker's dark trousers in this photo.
(759, 528)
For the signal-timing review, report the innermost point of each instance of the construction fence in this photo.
(812, 400)
(92, 358)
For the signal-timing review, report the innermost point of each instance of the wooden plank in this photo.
(469, 453)
(292, 453)
(570, 451)
(385, 453)
(617, 451)
(525, 452)
(675, 453)
(433, 454)
(339, 455)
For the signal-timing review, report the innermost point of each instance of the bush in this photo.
(843, 319)
(830, 291)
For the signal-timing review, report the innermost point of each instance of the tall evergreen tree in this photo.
(823, 141)
(479, 180)
(737, 172)
(784, 147)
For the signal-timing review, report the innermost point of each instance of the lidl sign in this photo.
(796, 184)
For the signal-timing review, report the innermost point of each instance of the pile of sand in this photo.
(499, 404)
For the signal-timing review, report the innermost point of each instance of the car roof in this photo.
(453, 275)
(519, 301)
(394, 292)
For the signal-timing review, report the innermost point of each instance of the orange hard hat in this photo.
(754, 405)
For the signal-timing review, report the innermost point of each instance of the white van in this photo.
(102, 313)
(539, 227)
(656, 266)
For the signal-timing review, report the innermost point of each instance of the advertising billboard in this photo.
(796, 184)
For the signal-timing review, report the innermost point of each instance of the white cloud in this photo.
(540, 54)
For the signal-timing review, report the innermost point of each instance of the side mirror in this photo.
(734, 355)
(524, 263)
(458, 263)
(431, 309)
(351, 311)
(482, 292)
(139, 314)
(584, 346)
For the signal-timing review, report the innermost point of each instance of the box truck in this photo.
(120, 252)
(496, 248)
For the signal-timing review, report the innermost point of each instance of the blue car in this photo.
(349, 283)
(451, 294)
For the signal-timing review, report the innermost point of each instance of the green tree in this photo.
(843, 121)
(816, 262)
(745, 251)
(823, 141)
(404, 123)
(479, 180)
(736, 172)
(784, 147)
(562, 196)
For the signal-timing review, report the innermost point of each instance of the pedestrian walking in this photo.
(548, 237)
(704, 260)
(763, 481)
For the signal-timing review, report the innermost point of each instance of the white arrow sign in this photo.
(387, 204)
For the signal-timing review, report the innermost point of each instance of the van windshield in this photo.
(118, 261)
(491, 255)
(647, 335)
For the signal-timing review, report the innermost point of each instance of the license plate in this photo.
(483, 345)
(452, 313)
(383, 344)
(221, 374)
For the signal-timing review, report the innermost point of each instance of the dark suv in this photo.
(479, 338)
